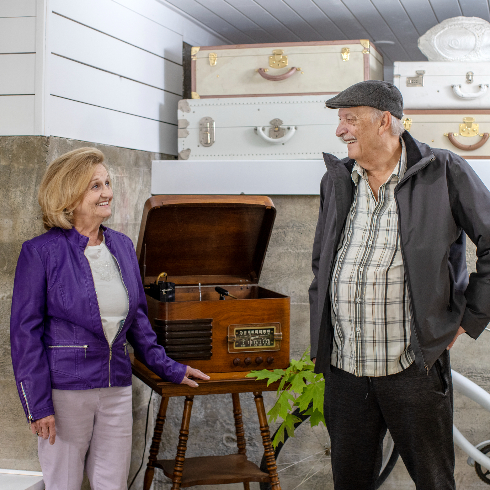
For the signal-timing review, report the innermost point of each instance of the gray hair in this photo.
(397, 127)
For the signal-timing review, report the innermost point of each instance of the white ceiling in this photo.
(400, 22)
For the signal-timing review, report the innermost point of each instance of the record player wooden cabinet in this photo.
(202, 242)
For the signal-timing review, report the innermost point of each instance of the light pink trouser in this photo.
(93, 431)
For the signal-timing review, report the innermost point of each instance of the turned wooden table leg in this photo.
(240, 433)
(266, 440)
(155, 443)
(182, 446)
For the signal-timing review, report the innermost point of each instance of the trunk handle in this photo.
(459, 145)
(471, 95)
(277, 78)
(276, 141)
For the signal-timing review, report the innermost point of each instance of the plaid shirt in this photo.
(369, 296)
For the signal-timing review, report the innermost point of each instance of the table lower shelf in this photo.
(215, 470)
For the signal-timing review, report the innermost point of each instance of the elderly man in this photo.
(391, 293)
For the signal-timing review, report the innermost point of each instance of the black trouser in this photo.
(417, 409)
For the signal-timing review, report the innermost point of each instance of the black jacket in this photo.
(439, 198)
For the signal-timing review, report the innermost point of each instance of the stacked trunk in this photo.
(267, 101)
(447, 105)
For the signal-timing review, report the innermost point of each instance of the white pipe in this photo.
(471, 390)
(471, 450)
(466, 387)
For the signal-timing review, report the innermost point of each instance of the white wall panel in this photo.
(17, 8)
(74, 41)
(17, 115)
(85, 122)
(20, 71)
(270, 177)
(193, 31)
(85, 84)
(18, 35)
(118, 21)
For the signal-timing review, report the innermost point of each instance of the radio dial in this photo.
(259, 360)
(270, 360)
(237, 361)
(247, 361)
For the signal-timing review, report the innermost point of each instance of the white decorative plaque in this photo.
(457, 39)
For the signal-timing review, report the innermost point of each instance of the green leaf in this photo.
(282, 407)
(298, 383)
(316, 418)
(264, 374)
(279, 437)
(276, 375)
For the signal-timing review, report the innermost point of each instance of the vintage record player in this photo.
(213, 249)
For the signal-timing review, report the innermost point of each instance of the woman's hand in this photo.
(193, 373)
(45, 428)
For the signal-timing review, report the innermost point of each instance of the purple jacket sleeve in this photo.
(144, 340)
(29, 358)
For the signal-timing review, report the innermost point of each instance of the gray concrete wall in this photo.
(23, 161)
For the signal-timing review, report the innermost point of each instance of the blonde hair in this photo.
(64, 185)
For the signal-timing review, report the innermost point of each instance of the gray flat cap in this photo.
(372, 93)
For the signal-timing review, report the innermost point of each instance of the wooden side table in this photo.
(209, 470)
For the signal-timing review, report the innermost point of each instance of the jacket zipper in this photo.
(404, 263)
(27, 403)
(121, 323)
(126, 348)
(84, 347)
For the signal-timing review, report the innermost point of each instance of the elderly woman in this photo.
(78, 300)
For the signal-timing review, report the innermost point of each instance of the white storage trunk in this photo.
(443, 84)
(258, 128)
(307, 68)
(470, 130)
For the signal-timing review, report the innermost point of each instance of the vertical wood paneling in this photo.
(445, 9)
(342, 17)
(21, 74)
(421, 14)
(401, 25)
(113, 19)
(290, 18)
(376, 27)
(212, 20)
(193, 31)
(265, 20)
(235, 17)
(318, 19)
(18, 35)
(472, 8)
(17, 8)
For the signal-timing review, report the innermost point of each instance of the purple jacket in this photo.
(55, 327)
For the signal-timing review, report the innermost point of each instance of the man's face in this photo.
(357, 129)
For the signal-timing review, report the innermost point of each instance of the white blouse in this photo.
(111, 292)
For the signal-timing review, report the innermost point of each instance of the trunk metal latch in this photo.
(469, 128)
(278, 59)
(206, 131)
(275, 131)
(417, 81)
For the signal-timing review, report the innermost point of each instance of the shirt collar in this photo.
(398, 171)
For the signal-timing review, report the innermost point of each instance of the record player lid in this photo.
(205, 239)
